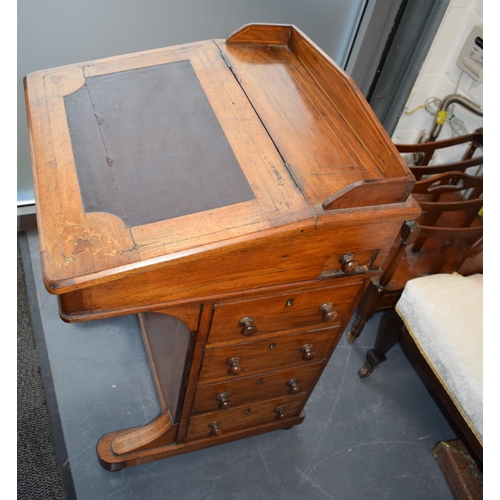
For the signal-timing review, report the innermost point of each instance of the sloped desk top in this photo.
(150, 158)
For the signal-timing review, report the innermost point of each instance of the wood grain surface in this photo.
(288, 136)
(212, 187)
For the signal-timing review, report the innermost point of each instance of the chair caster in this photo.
(350, 337)
(365, 371)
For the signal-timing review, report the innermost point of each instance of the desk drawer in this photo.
(232, 393)
(243, 417)
(317, 308)
(267, 354)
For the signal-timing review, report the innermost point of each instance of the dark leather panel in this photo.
(148, 146)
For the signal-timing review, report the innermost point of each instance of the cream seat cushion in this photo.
(444, 315)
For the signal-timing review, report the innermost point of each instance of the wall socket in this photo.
(471, 57)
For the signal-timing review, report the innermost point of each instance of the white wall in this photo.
(440, 75)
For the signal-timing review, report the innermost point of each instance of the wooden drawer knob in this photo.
(248, 327)
(327, 311)
(281, 411)
(234, 366)
(224, 402)
(294, 386)
(348, 263)
(216, 430)
(307, 353)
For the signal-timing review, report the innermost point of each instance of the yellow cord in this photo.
(416, 109)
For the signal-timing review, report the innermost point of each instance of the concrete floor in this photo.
(369, 439)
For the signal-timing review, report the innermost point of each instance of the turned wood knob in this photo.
(281, 413)
(349, 264)
(248, 327)
(327, 311)
(294, 386)
(307, 353)
(216, 430)
(223, 398)
(234, 366)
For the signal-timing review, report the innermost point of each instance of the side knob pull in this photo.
(216, 430)
(234, 366)
(348, 263)
(307, 352)
(224, 402)
(294, 386)
(281, 413)
(248, 328)
(327, 311)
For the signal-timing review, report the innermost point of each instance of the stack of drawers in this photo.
(263, 357)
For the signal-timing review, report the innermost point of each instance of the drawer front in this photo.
(317, 308)
(232, 393)
(218, 423)
(267, 354)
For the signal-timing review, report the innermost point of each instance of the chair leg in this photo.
(356, 330)
(366, 309)
(388, 335)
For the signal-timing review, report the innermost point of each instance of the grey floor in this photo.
(369, 439)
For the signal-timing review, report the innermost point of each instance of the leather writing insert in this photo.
(148, 147)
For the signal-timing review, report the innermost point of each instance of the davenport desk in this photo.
(238, 196)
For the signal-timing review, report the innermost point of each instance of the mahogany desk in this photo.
(238, 196)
